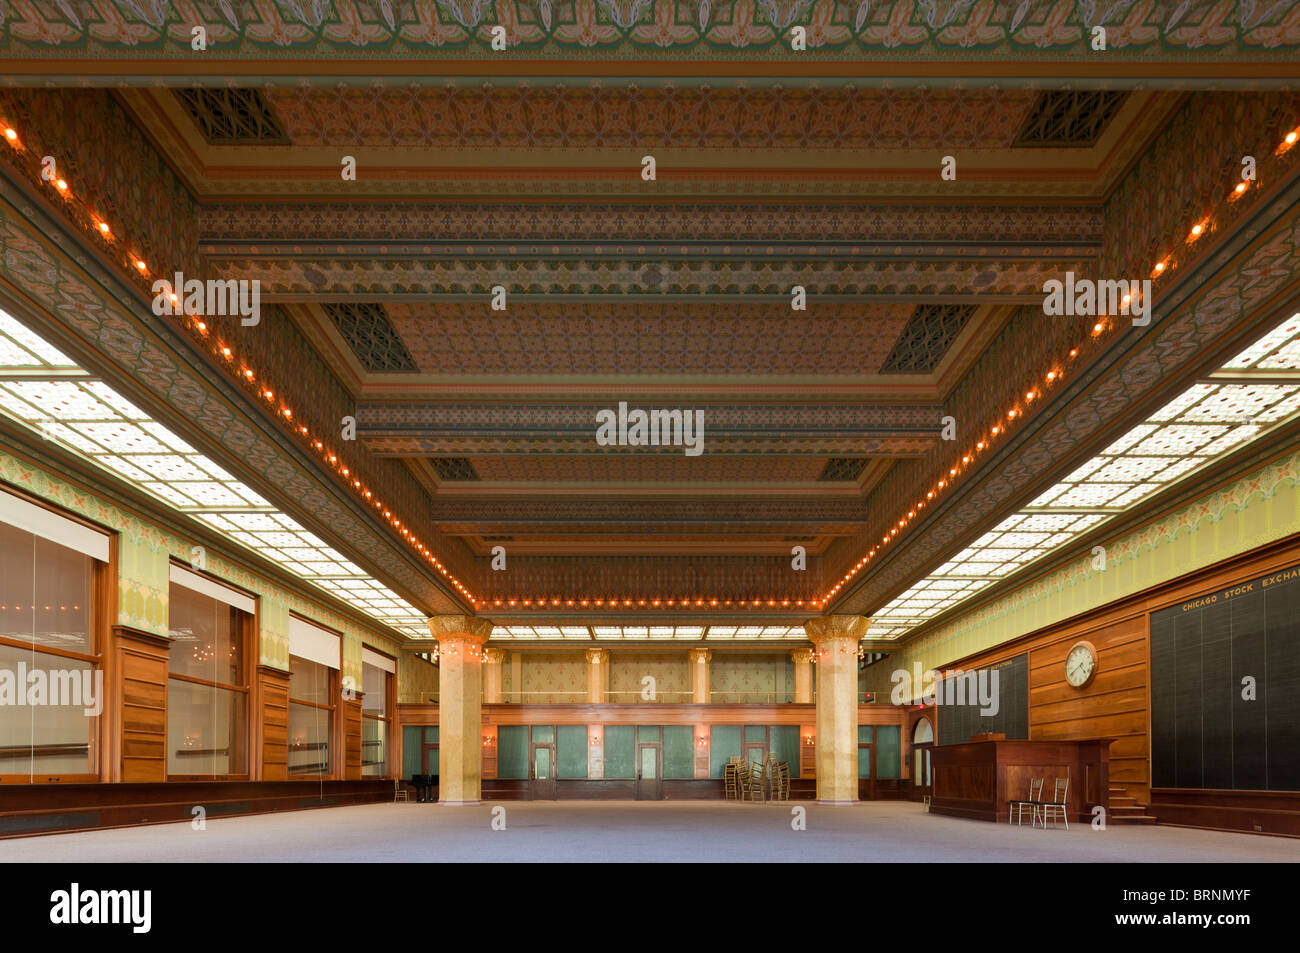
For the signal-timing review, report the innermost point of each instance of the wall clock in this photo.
(1080, 664)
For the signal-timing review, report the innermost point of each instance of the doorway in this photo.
(542, 771)
(922, 742)
(649, 772)
(649, 763)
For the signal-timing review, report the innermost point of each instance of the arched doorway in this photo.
(922, 742)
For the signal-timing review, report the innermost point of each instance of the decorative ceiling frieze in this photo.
(247, 33)
(512, 227)
(298, 274)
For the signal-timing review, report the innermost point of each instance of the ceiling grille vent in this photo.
(1063, 118)
(232, 117)
(454, 469)
(929, 333)
(839, 469)
(372, 337)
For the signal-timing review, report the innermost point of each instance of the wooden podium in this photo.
(978, 778)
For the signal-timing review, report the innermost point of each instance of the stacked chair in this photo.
(756, 782)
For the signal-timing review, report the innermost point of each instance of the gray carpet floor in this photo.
(872, 832)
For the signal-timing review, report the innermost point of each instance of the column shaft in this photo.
(460, 707)
(836, 639)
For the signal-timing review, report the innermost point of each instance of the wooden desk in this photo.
(978, 779)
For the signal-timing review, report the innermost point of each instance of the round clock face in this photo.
(1080, 665)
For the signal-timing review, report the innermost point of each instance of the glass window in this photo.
(207, 638)
(375, 724)
(207, 687)
(48, 723)
(311, 717)
(205, 729)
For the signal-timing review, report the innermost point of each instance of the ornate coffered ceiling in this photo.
(824, 427)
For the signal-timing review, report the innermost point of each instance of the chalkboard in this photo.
(1209, 656)
(620, 751)
(679, 751)
(958, 722)
(571, 751)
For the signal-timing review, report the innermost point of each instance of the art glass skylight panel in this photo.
(62, 402)
(1204, 422)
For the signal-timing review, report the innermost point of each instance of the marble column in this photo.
(597, 675)
(835, 639)
(803, 676)
(699, 662)
(460, 706)
(494, 659)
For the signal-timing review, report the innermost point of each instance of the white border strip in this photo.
(313, 643)
(47, 524)
(212, 589)
(371, 657)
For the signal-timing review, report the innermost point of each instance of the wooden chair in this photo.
(780, 781)
(1033, 802)
(731, 781)
(756, 790)
(399, 792)
(1057, 805)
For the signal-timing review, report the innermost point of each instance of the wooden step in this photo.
(1133, 819)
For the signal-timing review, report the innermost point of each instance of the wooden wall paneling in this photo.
(106, 643)
(351, 709)
(1117, 703)
(273, 735)
(141, 668)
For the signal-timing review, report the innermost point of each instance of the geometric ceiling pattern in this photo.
(923, 291)
(45, 390)
(1204, 423)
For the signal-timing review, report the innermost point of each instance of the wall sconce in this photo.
(702, 742)
(489, 741)
(594, 741)
(808, 739)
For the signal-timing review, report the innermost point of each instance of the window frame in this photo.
(247, 631)
(103, 576)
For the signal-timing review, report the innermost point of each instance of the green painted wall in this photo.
(783, 743)
(620, 751)
(724, 744)
(512, 751)
(888, 751)
(571, 751)
(679, 751)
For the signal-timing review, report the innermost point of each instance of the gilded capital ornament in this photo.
(597, 656)
(801, 656)
(699, 655)
(460, 628)
(494, 655)
(834, 627)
